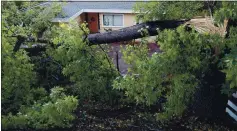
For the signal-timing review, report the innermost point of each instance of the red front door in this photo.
(93, 22)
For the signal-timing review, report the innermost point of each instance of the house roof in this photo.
(71, 10)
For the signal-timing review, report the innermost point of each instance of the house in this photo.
(100, 16)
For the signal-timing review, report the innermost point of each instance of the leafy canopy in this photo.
(174, 73)
(26, 104)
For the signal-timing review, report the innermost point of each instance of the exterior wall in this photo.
(81, 18)
(129, 20)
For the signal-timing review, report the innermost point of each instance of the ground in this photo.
(132, 118)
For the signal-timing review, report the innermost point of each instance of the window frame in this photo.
(112, 15)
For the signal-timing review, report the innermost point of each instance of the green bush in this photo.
(88, 67)
(56, 112)
(174, 73)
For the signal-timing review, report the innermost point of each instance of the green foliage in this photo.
(185, 56)
(87, 67)
(230, 61)
(17, 78)
(27, 18)
(167, 10)
(228, 10)
(183, 87)
(174, 73)
(231, 40)
(56, 112)
(24, 104)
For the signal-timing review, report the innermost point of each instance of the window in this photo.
(112, 20)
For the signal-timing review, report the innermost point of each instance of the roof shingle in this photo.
(71, 8)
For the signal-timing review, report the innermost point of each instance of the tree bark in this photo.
(20, 40)
(132, 32)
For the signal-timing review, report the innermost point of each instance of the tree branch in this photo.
(20, 40)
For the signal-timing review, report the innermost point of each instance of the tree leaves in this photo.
(167, 10)
(24, 103)
(173, 74)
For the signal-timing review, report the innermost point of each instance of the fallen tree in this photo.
(124, 34)
(133, 32)
(129, 33)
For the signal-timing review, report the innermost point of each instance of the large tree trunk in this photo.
(132, 32)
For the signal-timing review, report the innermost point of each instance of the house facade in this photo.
(100, 16)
